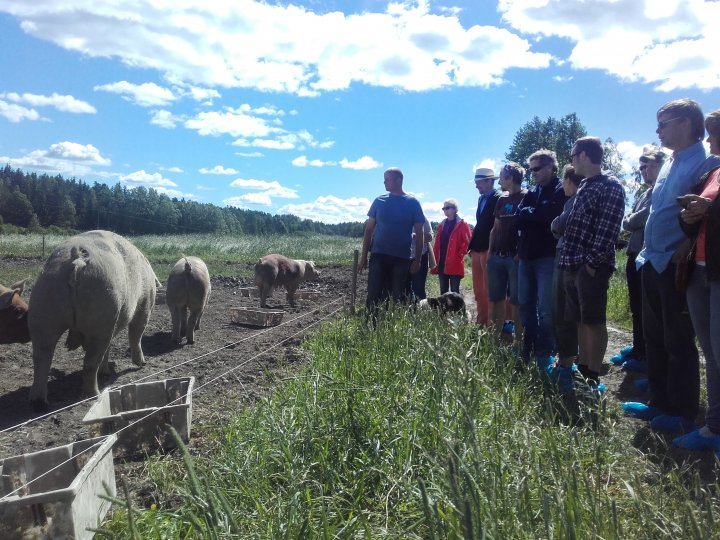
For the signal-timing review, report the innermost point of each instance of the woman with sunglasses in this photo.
(451, 245)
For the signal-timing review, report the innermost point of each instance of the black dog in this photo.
(450, 302)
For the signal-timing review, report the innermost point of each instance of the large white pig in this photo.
(94, 284)
(188, 289)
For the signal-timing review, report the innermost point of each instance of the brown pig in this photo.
(274, 271)
(13, 314)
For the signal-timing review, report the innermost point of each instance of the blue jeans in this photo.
(387, 276)
(535, 279)
(502, 279)
(703, 298)
(416, 282)
(451, 283)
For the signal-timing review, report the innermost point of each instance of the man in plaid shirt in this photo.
(588, 253)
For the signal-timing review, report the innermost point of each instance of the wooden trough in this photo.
(256, 316)
(65, 502)
(154, 405)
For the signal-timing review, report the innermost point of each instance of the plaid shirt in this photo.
(594, 224)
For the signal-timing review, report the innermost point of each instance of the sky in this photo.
(298, 107)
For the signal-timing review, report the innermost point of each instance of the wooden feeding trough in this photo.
(63, 503)
(256, 316)
(149, 407)
(307, 294)
(249, 292)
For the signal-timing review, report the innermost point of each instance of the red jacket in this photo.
(456, 249)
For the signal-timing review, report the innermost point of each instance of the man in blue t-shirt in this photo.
(392, 219)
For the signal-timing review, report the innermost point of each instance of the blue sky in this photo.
(299, 107)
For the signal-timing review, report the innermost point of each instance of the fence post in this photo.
(353, 290)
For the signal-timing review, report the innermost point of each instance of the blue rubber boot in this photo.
(672, 424)
(700, 439)
(563, 377)
(627, 350)
(640, 410)
(617, 360)
(642, 384)
(544, 363)
(633, 364)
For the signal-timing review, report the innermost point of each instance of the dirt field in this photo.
(224, 345)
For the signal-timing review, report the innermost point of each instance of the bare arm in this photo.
(367, 238)
(493, 234)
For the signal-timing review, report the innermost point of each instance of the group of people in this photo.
(542, 258)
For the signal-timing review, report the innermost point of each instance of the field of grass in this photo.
(216, 251)
(418, 429)
(618, 309)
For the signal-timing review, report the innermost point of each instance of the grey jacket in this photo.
(634, 222)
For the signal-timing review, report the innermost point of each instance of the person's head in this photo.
(570, 180)
(680, 124)
(586, 156)
(712, 124)
(450, 208)
(484, 180)
(393, 179)
(511, 176)
(543, 165)
(650, 164)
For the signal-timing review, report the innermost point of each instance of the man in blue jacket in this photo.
(536, 252)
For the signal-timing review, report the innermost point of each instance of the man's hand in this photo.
(414, 266)
(682, 251)
(362, 265)
(695, 208)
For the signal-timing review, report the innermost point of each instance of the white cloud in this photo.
(61, 103)
(303, 161)
(330, 209)
(64, 158)
(145, 95)
(284, 47)
(142, 178)
(273, 188)
(17, 113)
(490, 163)
(234, 122)
(250, 154)
(363, 164)
(433, 210)
(172, 192)
(254, 199)
(203, 95)
(164, 119)
(175, 170)
(671, 44)
(217, 169)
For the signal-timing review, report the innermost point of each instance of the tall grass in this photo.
(421, 429)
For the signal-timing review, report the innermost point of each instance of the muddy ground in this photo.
(220, 346)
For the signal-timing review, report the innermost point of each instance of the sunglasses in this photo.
(662, 124)
(643, 167)
(448, 208)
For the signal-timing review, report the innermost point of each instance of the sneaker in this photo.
(700, 439)
(672, 424)
(640, 410)
(563, 377)
(633, 364)
(642, 385)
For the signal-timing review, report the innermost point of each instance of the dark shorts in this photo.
(585, 295)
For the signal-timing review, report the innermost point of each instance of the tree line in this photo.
(42, 201)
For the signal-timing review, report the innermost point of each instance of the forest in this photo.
(36, 202)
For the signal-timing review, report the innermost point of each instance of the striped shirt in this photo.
(593, 224)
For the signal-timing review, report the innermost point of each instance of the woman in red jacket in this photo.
(451, 245)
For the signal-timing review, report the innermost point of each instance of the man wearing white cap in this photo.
(480, 241)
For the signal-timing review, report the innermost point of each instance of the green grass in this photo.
(421, 429)
(618, 308)
(218, 252)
